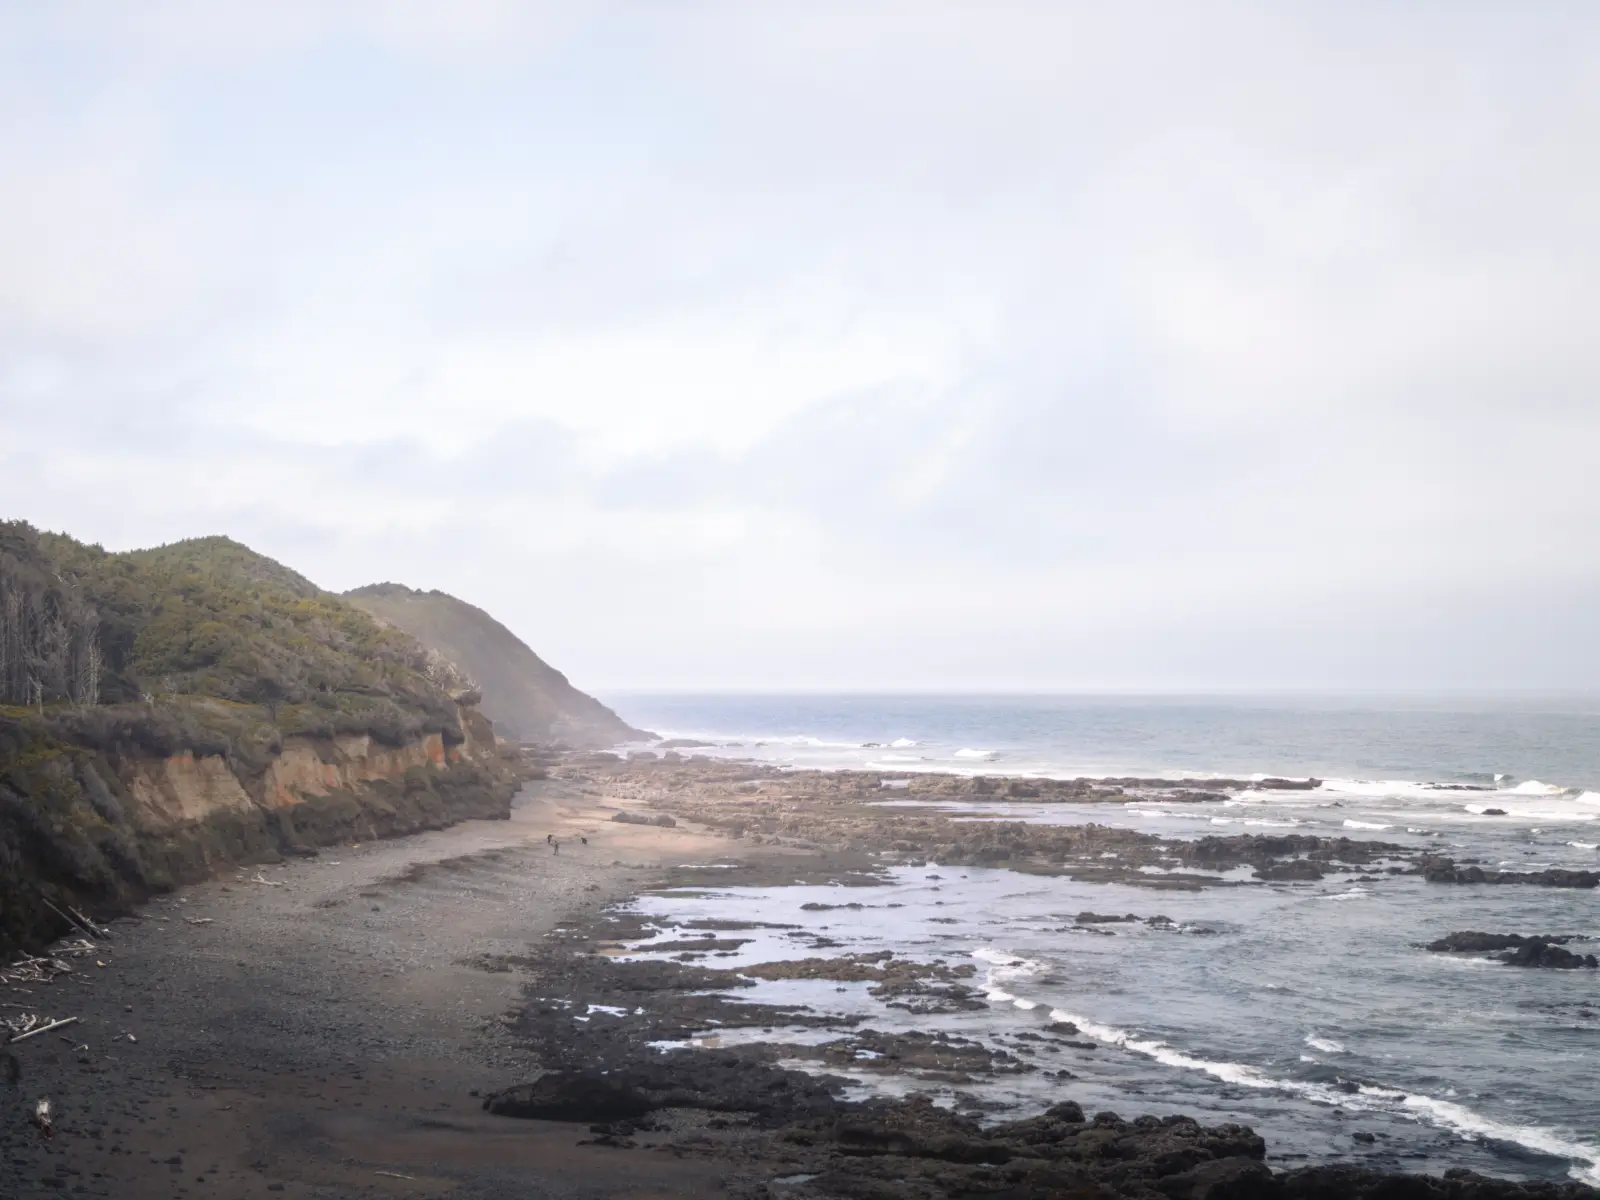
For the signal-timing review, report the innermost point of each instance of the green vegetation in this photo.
(524, 696)
(201, 646)
(49, 634)
(205, 644)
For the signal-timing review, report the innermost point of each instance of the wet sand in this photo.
(322, 1034)
(330, 1027)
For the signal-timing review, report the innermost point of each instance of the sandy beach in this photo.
(321, 1033)
(374, 1019)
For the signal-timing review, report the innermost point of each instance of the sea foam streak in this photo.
(1583, 1157)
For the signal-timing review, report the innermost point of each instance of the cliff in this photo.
(167, 713)
(526, 697)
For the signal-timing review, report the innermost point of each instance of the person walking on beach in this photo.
(556, 844)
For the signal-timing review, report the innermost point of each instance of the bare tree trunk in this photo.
(86, 660)
(96, 664)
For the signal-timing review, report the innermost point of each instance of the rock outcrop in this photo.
(101, 829)
(1446, 870)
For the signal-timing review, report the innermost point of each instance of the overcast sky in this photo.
(862, 345)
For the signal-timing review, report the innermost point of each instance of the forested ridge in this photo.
(165, 713)
(210, 627)
(50, 646)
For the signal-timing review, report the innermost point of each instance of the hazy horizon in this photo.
(884, 348)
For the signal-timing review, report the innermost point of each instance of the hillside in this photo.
(167, 712)
(525, 696)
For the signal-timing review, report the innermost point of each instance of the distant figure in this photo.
(583, 839)
(549, 838)
(556, 845)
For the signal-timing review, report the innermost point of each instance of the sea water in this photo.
(1308, 1010)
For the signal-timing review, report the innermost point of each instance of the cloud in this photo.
(881, 345)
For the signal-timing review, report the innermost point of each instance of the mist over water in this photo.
(1308, 1010)
(1441, 739)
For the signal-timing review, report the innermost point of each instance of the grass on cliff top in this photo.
(207, 635)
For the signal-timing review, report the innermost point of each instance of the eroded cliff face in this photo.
(100, 830)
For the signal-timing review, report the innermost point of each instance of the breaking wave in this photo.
(1583, 1157)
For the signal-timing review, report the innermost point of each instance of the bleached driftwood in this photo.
(22, 1037)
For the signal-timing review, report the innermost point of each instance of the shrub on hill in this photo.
(200, 642)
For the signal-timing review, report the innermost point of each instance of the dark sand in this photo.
(324, 1028)
(323, 1038)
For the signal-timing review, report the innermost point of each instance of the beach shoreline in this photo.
(332, 1026)
(317, 1027)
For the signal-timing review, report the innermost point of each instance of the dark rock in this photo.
(1222, 1179)
(631, 818)
(1445, 870)
(1348, 1182)
(1472, 941)
(1536, 952)
(1297, 869)
(564, 1096)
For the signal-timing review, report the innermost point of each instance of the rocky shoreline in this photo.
(466, 1013)
(846, 811)
(620, 1021)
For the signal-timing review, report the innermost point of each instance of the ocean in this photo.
(1307, 1010)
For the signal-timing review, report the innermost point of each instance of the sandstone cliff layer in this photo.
(99, 828)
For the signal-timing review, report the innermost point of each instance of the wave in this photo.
(984, 755)
(1003, 969)
(1366, 825)
(1326, 1045)
(1408, 789)
(1012, 965)
(1461, 1119)
(903, 743)
(1584, 1158)
(1388, 788)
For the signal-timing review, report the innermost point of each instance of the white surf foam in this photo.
(1366, 825)
(903, 743)
(1326, 1045)
(983, 755)
(1583, 1157)
(1010, 966)
(1393, 788)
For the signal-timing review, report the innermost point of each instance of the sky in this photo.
(872, 345)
